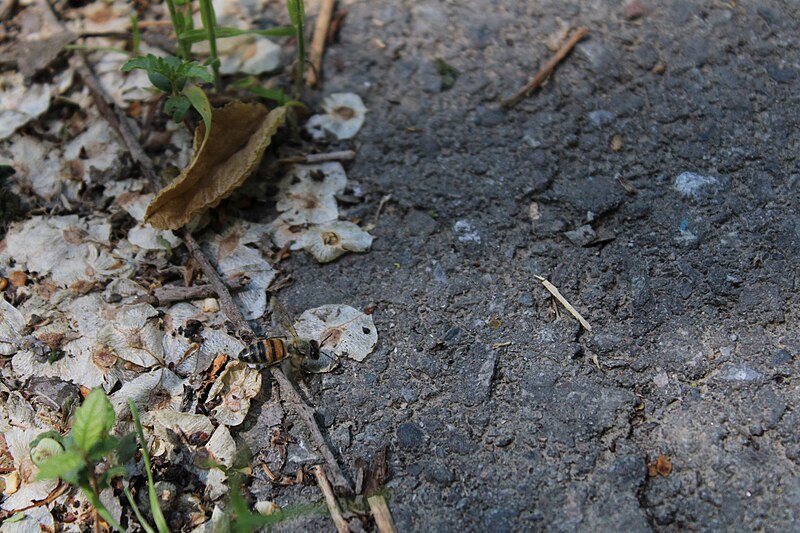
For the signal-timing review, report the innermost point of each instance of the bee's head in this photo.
(309, 349)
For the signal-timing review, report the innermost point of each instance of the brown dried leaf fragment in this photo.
(662, 466)
(239, 135)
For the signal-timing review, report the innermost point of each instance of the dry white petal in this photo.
(71, 248)
(235, 259)
(219, 522)
(11, 325)
(17, 439)
(341, 330)
(94, 148)
(168, 422)
(307, 193)
(234, 389)
(328, 241)
(134, 335)
(40, 169)
(36, 519)
(159, 389)
(285, 232)
(221, 446)
(20, 103)
(344, 116)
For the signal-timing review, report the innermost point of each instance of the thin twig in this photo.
(545, 71)
(117, 120)
(344, 155)
(306, 413)
(330, 500)
(173, 293)
(318, 43)
(381, 514)
(228, 306)
(574, 312)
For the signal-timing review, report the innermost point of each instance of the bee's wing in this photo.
(281, 316)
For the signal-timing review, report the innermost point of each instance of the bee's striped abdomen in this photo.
(264, 352)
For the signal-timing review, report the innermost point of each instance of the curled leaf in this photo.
(341, 330)
(240, 134)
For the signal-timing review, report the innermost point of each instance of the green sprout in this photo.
(170, 75)
(77, 457)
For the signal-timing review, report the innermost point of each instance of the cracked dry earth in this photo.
(687, 270)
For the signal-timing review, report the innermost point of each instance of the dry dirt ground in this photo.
(688, 280)
(653, 180)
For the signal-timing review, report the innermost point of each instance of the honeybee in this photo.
(274, 350)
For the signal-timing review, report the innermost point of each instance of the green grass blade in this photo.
(145, 525)
(221, 32)
(155, 508)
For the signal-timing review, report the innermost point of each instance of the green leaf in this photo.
(177, 106)
(93, 420)
(55, 435)
(66, 466)
(194, 71)
(448, 73)
(200, 102)
(105, 446)
(297, 12)
(45, 449)
(147, 62)
(221, 32)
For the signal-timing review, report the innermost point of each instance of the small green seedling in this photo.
(90, 457)
(297, 15)
(170, 75)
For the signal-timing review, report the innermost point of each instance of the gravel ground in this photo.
(678, 244)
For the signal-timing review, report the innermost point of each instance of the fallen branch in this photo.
(330, 501)
(344, 155)
(228, 306)
(381, 514)
(548, 69)
(555, 292)
(318, 42)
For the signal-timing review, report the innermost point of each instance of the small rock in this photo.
(693, 185)
(740, 373)
(409, 435)
(782, 357)
(646, 56)
(601, 117)
(635, 9)
(661, 380)
(210, 305)
(489, 117)
(581, 236)
(525, 299)
(451, 336)
(465, 232)
(437, 472)
(500, 521)
(598, 55)
(530, 139)
(781, 75)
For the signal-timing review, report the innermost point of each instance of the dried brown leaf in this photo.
(239, 135)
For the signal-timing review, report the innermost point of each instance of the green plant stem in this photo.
(147, 527)
(209, 23)
(182, 49)
(299, 81)
(93, 495)
(155, 508)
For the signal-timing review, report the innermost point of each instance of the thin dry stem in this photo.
(318, 42)
(330, 500)
(548, 69)
(381, 514)
(574, 312)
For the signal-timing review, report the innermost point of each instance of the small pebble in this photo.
(616, 143)
(210, 305)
